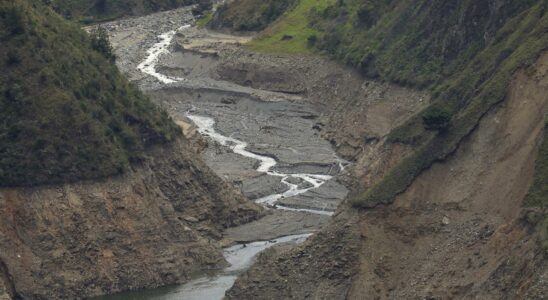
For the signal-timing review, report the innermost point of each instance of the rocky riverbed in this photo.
(264, 142)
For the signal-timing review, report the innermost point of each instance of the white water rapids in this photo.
(240, 256)
(148, 66)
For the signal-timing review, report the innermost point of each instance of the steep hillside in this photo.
(99, 190)
(249, 15)
(465, 54)
(67, 113)
(451, 195)
(155, 225)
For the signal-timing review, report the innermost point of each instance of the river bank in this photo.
(263, 142)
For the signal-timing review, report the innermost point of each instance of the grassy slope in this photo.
(296, 25)
(66, 113)
(411, 42)
(461, 50)
(204, 20)
(470, 93)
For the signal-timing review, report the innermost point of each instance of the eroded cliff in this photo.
(152, 226)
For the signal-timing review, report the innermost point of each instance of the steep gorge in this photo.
(100, 191)
(459, 230)
(432, 215)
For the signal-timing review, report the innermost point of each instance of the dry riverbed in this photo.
(263, 142)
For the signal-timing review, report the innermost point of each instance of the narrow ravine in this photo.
(295, 183)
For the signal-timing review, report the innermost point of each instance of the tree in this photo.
(437, 117)
(101, 43)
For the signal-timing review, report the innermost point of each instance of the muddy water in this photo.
(268, 148)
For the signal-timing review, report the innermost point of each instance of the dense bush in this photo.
(436, 117)
(100, 42)
(66, 113)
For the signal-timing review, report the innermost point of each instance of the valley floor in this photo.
(282, 161)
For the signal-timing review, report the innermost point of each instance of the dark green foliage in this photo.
(436, 117)
(14, 21)
(468, 93)
(100, 42)
(66, 113)
(367, 14)
(312, 40)
(411, 42)
(250, 15)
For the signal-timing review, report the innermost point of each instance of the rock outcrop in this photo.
(457, 232)
(155, 225)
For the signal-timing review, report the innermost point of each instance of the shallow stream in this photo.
(285, 163)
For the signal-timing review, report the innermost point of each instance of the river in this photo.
(270, 147)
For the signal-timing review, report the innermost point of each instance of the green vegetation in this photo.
(436, 118)
(204, 20)
(250, 15)
(291, 33)
(101, 43)
(66, 113)
(469, 94)
(92, 11)
(538, 193)
(464, 51)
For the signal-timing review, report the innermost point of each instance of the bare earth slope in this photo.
(153, 226)
(455, 232)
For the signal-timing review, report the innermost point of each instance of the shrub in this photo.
(12, 20)
(437, 117)
(13, 57)
(366, 15)
(312, 40)
(100, 43)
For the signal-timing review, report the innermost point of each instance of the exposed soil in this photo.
(456, 232)
(156, 225)
(283, 107)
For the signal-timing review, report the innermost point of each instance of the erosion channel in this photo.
(261, 141)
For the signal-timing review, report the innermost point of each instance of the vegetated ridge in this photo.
(100, 192)
(249, 15)
(478, 60)
(67, 113)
